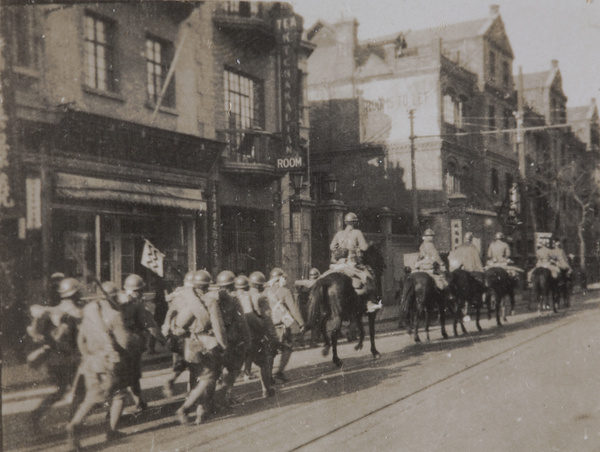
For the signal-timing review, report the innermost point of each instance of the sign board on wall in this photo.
(456, 233)
(33, 194)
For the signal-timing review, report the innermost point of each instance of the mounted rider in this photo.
(347, 249)
(429, 260)
(561, 259)
(466, 256)
(545, 258)
(499, 256)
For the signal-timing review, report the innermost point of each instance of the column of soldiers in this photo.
(95, 348)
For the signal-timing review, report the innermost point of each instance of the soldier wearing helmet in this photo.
(429, 259)
(102, 342)
(138, 321)
(561, 259)
(181, 315)
(236, 329)
(348, 244)
(205, 341)
(56, 330)
(264, 337)
(284, 313)
(498, 251)
(466, 256)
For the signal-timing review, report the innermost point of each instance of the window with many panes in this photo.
(243, 101)
(99, 54)
(159, 55)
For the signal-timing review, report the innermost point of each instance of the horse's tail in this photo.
(315, 301)
(408, 295)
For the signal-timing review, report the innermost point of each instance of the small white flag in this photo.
(153, 259)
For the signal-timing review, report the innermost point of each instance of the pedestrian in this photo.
(204, 345)
(177, 319)
(56, 329)
(103, 342)
(137, 320)
(284, 313)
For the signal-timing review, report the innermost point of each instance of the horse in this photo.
(543, 286)
(466, 290)
(334, 298)
(499, 284)
(420, 295)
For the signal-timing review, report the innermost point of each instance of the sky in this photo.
(538, 30)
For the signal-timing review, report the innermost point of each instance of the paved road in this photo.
(531, 385)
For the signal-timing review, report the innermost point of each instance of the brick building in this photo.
(158, 121)
(457, 82)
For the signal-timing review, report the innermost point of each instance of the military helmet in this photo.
(225, 278)
(110, 289)
(241, 282)
(58, 276)
(188, 281)
(350, 217)
(499, 236)
(201, 278)
(468, 236)
(68, 287)
(257, 279)
(429, 232)
(276, 273)
(314, 273)
(134, 282)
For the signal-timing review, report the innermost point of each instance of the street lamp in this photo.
(296, 179)
(331, 186)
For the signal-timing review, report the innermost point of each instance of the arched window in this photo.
(449, 111)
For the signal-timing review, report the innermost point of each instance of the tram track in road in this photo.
(466, 372)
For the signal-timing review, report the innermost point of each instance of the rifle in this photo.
(86, 271)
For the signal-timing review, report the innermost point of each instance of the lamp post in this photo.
(331, 186)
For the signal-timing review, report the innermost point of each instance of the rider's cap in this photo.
(499, 236)
(314, 273)
(68, 287)
(429, 232)
(350, 217)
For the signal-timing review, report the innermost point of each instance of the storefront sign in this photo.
(288, 30)
(6, 200)
(33, 193)
(286, 163)
(456, 230)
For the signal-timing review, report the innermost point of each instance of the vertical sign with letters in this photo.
(288, 32)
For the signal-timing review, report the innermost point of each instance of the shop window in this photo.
(453, 179)
(244, 102)
(99, 54)
(159, 55)
(26, 37)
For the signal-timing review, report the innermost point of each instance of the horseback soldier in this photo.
(561, 259)
(258, 317)
(103, 341)
(236, 330)
(205, 342)
(179, 315)
(284, 313)
(429, 259)
(545, 258)
(499, 256)
(466, 256)
(56, 329)
(137, 320)
(347, 249)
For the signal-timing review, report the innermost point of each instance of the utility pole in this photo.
(413, 172)
(520, 143)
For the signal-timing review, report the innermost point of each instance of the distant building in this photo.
(457, 81)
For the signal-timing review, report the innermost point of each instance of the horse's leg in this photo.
(556, 297)
(427, 319)
(488, 302)
(499, 307)
(337, 326)
(327, 342)
(374, 351)
(462, 323)
(442, 310)
(503, 308)
(478, 315)
(415, 324)
(361, 332)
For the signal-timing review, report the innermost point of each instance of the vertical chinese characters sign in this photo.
(6, 200)
(288, 30)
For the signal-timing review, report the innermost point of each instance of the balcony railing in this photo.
(241, 9)
(246, 21)
(248, 149)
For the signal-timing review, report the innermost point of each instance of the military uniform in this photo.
(238, 338)
(466, 255)
(284, 312)
(545, 258)
(204, 345)
(103, 342)
(498, 253)
(56, 328)
(428, 256)
(350, 243)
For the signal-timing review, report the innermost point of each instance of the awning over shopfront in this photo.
(91, 188)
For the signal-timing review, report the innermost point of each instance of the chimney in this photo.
(554, 64)
(494, 10)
